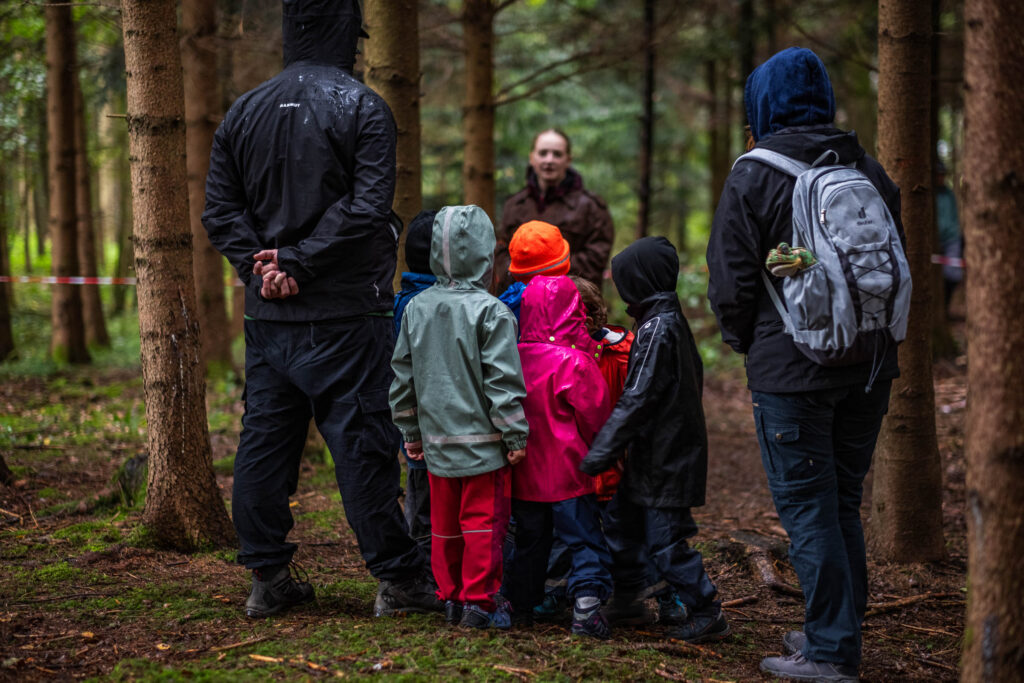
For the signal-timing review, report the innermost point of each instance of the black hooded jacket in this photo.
(305, 164)
(659, 419)
(755, 213)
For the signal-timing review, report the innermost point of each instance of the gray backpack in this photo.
(852, 304)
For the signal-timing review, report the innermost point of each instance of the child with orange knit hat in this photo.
(536, 248)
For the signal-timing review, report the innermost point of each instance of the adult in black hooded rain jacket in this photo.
(298, 198)
(659, 423)
(816, 425)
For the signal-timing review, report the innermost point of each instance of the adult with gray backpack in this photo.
(809, 281)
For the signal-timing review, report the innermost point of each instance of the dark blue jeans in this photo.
(577, 522)
(816, 447)
(640, 536)
(337, 372)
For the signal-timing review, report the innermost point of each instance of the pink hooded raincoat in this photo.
(567, 398)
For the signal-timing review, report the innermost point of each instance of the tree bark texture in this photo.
(943, 344)
(202, 111)
(478, 108)
(393, 70)
(994, 236)
(906, 502)
(184, 507)
(68, 334)
(6, 332)
(92, 307)
(646, 124)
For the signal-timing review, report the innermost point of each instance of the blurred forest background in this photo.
(579, 65)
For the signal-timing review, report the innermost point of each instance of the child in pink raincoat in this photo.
(566, 404)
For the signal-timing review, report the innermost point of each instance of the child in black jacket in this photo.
(659, 422)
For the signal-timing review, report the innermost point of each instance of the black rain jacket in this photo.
(305, 164)
(659, 419)
(754, 214)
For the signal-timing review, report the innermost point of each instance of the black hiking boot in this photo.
(416, 594)
(700, 627)
(274, 590)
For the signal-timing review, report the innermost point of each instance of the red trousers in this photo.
(468, 519)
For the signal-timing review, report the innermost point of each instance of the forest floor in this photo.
(81, 596)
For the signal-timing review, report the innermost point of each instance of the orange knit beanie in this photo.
(538, 248)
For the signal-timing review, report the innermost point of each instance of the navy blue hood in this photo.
(321, 31)
(790, 89)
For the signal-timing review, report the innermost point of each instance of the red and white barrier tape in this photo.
(53, 280)
(79, 280)
(948, 260)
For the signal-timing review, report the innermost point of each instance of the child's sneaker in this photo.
(700, 627)
(452, 612)
(474, 616)
(550, 609)
(671, 610)
(587, 619)
(628, 610)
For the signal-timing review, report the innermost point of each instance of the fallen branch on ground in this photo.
(880, 607)
(739, 601)
(766, 570)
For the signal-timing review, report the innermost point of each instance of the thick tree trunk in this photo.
(202, 111)
(68, 335)
(994, 172)
(646, 124)
(92, 308)
(478, 109)
(906, 500)
(393, 70)
(184, 507)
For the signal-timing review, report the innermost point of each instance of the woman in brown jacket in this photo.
(554, 193)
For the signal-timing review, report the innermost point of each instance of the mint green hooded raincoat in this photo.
(458, 384)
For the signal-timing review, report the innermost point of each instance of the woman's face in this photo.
(550, 159)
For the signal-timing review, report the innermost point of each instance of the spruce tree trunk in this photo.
(184, 507)
(646, 124)
(41, 192)
(906, 504)
(92, 308)
(943, 344)
(68, 334)
(393, 70)
(6, 332)
(478, 108)
(202, 110)
(994, 203)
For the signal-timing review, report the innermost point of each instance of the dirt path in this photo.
(78, 599)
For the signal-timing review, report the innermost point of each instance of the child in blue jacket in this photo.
(415, 280)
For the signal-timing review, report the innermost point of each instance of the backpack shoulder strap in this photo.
(777, 161)
(787, 321)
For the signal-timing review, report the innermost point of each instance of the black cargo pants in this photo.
(337, 372)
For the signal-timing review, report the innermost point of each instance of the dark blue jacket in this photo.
(513, 297)
(412, 284)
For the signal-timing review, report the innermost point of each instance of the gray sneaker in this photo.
(794, 642)
(798, 668)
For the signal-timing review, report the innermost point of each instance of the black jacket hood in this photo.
(321, 31)
(644, 268)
